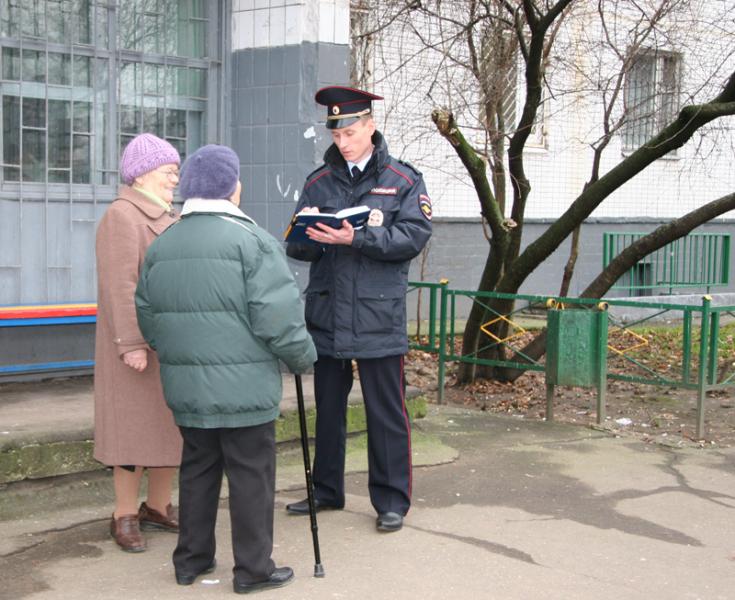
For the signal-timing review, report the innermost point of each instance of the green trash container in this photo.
(576, 352)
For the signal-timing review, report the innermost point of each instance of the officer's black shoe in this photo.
(302, 508)
(389, 521)
(280, 577)
(188, 579)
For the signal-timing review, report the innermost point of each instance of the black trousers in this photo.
(389, 431)
(247, 455)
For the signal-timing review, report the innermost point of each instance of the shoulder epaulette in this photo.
(409, 165)
(315, 171)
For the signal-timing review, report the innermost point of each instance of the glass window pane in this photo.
(101, 35)
(176, 123)
(11, 130)
(10, 18)
(34, 112)
(153, 80)
(11, 63)
(128, 83)
(34, 66)
(129, 25)
(59, 175)
(34, 155)
(153, 121)
(129, 119)
(32, 20)
(180, 146)
(82, 116)
(198, 83)
(81, 159)
(59, 133)
(58, 16)
(151, 33)
(82, 71)
(59, 69)
(82, 21)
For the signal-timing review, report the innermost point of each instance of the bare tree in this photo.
(496, 70)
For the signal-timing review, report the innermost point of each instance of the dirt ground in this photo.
(650, 413)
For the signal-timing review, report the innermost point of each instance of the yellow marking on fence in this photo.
(485, 329)
(642, 342)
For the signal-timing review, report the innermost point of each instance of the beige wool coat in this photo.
(132, 423)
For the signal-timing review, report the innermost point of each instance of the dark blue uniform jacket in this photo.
(356, 297)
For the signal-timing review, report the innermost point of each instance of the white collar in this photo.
(204, 205)
(360, 165)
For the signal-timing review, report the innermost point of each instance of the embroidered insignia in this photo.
(335, 110)
(425, 206)
(384, 191)
(375, 218)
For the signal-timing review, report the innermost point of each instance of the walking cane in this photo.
(318, 568)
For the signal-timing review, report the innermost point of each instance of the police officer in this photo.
(356, 302)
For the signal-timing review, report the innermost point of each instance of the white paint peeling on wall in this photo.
(309, 133)
(296, 195)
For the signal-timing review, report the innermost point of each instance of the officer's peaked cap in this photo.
(345, 105)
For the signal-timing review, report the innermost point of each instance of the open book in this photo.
(296, 232)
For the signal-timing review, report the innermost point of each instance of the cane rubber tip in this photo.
(318, 570)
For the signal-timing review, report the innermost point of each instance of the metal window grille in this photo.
(652, 91)
(79, 79)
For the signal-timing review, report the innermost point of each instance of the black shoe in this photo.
(280, 577)
(302, 508)
(389, 521)
(186, 579)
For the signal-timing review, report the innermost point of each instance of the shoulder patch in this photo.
(425, 206)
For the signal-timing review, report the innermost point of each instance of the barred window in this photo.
(652, 90)
(80, 78)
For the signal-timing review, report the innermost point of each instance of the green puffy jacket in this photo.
(218, 303)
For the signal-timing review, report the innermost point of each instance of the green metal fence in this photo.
(707, 359)
(700, 260)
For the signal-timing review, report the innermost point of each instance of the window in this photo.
(79, 79)
(651, 96)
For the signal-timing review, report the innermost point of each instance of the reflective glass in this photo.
(11, 131)
(11, 63)
(58, 17)
(82, 116)
(81, 159)
(82, 21)
(59, 69)
(34, 112)
(59, 133)
(34, 66)
(82, 71)
(34, 155)
(176, 123)
(129, 119)
(153, 121)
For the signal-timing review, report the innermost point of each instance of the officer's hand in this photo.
(327, 235)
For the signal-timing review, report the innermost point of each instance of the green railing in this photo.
(707, 360)
(699, 260)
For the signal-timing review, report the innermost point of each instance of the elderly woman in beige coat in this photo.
(134, 429)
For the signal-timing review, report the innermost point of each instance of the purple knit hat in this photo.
(212, 172)
(145, 153)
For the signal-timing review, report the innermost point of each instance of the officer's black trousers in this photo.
(247, 455)
(389, 432)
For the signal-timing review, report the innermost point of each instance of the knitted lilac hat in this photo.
(212, 172)
(145, 153)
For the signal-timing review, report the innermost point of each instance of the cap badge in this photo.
(335, 110)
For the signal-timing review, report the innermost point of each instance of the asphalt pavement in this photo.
(503, 508)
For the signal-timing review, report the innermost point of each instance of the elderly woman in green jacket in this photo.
(217, 301)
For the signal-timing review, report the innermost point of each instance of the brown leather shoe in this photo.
(151, 519)
(126, 532)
